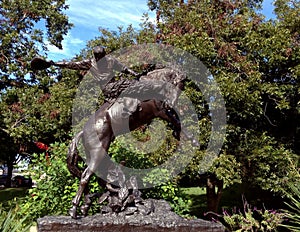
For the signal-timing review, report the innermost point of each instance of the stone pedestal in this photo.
(161, 220)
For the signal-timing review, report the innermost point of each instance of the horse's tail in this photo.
(73, 156)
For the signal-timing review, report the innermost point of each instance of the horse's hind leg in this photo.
(89, 197)
(94, 164)
(87, 201)
(97, 138)
(85, 177)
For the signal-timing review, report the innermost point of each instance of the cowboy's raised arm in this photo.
(77, 65)
(39, 63)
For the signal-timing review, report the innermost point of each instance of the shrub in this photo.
(165, 189)
(55, 185)
(252, 219)
(168, 191)
(293, 213)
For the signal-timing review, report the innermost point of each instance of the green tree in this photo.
(26, 27)
(256, 63)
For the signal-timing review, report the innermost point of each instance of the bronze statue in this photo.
(129, 104)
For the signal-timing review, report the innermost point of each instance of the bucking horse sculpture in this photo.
(109, 121)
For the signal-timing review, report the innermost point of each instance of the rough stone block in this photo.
(161, 220)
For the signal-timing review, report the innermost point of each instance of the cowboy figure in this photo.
(102, 66)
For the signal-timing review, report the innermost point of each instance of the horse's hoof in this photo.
(72, 212)
(84, 210)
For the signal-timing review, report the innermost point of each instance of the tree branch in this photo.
(18, 121)
(4, 130)
(267, 116)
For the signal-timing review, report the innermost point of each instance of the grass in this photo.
(194, 191)
(231, 198)
(198, 197)
(8, 194)
(9, 221)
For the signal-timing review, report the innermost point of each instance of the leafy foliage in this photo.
(55, 185)
(134, 158)
(227, 169)
(292, 214)
(252, 219)
(9, 221)
(20, 36)
(169, 191)
(256, 64)
(255, 61)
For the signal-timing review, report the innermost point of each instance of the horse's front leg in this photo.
(85, 177)
(170, 116)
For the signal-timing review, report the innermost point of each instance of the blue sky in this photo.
(88, 15)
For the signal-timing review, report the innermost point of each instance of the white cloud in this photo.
(71, 46)
(88, 15)
(108, 14)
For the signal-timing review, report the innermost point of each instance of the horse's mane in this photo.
(133, 86)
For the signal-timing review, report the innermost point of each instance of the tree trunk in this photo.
(214, 189)
(10, 167)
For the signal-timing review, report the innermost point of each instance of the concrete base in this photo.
(161, 220)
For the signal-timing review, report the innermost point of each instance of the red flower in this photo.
(41, 146)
